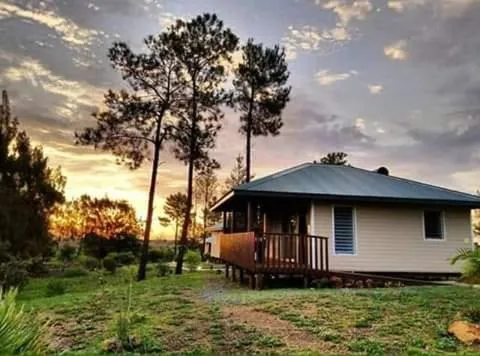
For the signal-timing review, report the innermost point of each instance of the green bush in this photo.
(55, 287)
(110, 264)
(162, 254)
(13, 274)
(75, 272)
(163, 269)
(192, 260)
(20, 332)
(67, 252)
(37, 267)
(123, 258)
(90, 263)
(471, 262)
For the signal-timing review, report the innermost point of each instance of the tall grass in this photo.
(20, 332)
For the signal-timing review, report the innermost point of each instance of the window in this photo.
(344, 230)
(433, 225)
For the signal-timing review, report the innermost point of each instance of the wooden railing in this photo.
(275, 252)
(238, 249)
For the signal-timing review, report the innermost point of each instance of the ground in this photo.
(203, 313)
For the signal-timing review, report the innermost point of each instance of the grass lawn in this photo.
(203, 313)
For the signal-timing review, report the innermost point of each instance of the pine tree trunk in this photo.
(142, 268)
(186, 222)
(176, 236)
(249, 138)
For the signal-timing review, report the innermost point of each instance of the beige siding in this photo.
(390, 238)
(215, 238)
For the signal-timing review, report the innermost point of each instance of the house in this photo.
(314, 218)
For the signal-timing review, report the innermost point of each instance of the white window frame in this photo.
(442, 223)
(354, 227)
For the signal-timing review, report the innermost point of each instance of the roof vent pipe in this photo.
(383, 170)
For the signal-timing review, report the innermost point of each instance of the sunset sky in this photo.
(390, 82)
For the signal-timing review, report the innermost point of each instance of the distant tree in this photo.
(238, 175)
(29, 189)
(175, 208)
(103, 217)
(207, 185)
(260, 92)
(335, 158)
(133, 124)
(202, 46)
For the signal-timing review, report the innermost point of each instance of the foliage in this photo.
(55, 287)
(134, 121)
(175, 208)
(90, 263)
(471, 259)
(37, 267)
(124, 321)
(29, 189)
(192, 260)
(98, 246)
(13, 274)
(123, 258)
(74, 272)
(100, 216)
(20, 332)
(335, 158)
(110, 264)
(162, 254)
(201, 46)
(67, 252)
(163, 269)
(260, 92)
(238, 175)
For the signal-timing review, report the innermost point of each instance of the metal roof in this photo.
(322, 181)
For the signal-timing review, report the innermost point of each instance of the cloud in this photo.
(68, 30)
(347, 11)
(375, 88)
(311, 39)
(402, 5)
(396, 50)
(325, 77)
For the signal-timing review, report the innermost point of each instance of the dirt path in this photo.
(274, 326)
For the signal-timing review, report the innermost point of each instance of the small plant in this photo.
(471, 259)
(75, 272)
(123, 258)
(165, 254)
(55, 287)
(192, 260)
(20, 332)
(67, 252)
(110, 264)
(13, 274)
(163, 269)
(472, 315)
(91, 263)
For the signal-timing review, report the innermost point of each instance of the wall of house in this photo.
(215, 241)
(390, 238)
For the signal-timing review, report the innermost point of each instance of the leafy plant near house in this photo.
(471, 259)
(20, 332)
(192, 260)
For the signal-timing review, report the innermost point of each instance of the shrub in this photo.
(110, 264)
(67, 252)
(95, 246)
(90, 263)
(192, 260)
(55, 287)
(123, 258)
(20, 332)
(37, 267)
(125, 243)
(471, 259)
(74, 272)
(163, 254)
(13, 274)
(163, 269)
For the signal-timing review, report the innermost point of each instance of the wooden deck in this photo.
(272, 253)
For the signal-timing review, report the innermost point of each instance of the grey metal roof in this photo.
(345, 182)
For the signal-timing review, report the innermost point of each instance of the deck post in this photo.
(241, 275)
(234, 274)
(252, 281)
(249, 215)
(226, 270)
(260, 281)
(306, 282)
